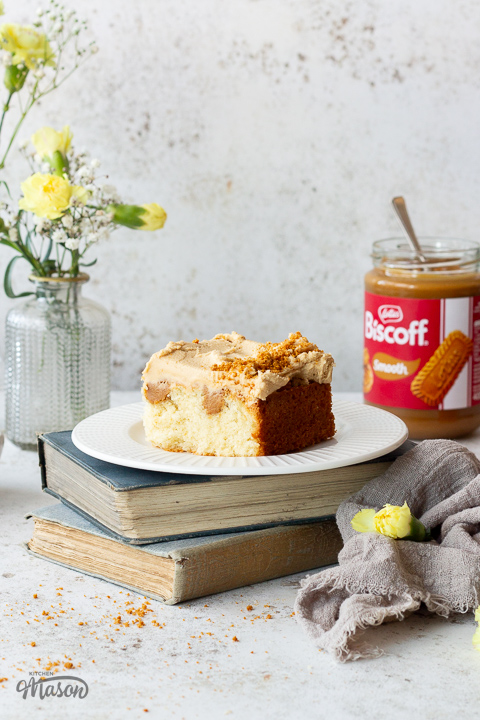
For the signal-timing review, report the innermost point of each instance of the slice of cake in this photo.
(234, 397)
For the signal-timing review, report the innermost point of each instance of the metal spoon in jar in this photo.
(401, 209)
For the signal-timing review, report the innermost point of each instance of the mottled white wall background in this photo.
(275, 133)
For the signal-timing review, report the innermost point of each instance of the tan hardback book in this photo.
(181, 570)
(141, 506)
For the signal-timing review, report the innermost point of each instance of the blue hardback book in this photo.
(179, 570)
(141, 506)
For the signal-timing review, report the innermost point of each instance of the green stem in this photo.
(6, 107)
(75, 260)
(20, 247)
(17, 127)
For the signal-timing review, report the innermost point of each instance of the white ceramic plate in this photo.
(363, 433)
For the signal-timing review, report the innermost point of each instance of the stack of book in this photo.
(175, 537)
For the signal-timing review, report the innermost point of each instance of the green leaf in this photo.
(7, 280)
(2, 182)
(88, 264)
(28, 240)
(47, 252)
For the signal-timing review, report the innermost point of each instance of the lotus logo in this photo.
(390, 313)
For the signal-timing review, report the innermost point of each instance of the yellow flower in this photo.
(2, 8)
(363, 521)
(393, 521)
(476, 634)
(47, 141)
(153, 218)
(27, 45)
(49, 196)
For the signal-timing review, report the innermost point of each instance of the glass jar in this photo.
(422, 335)
(57, 360)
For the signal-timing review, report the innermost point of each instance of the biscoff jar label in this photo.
(422, 354)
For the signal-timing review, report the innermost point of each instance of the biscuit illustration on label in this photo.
(440, 372)
(368, 376)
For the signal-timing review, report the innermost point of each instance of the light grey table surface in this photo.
(188, 665)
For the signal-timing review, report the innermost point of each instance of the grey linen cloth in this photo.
(379, 579)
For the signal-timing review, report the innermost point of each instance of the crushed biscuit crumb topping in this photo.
(274, 357)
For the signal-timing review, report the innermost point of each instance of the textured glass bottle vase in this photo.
(57, 360)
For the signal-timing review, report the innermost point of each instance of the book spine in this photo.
(41, 460)
(254, 557)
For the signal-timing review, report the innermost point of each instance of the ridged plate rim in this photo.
(363, 433)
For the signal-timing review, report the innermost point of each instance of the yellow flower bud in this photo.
(47, 141)
(153, 218)
(14, 78)
(49, 196)
(27, 45)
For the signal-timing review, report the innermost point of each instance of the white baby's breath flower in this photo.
(83, 172)
(39, 73)
(72, 243)
(23, 144)
(93, 237)
(95, 163)
(59, 236)
(85, 226)
(41, 224)
(67, 221)
(13, 234)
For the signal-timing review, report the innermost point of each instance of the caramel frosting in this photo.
(247, 368)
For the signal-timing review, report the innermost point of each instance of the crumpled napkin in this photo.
(379, 579)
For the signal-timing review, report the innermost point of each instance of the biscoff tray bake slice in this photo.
(230, 396)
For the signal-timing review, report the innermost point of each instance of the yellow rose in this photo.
(49, 196)
(393, 521)
(153, 218)
(48, 141)
(27, 45)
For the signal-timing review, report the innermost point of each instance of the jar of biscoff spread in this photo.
(422, 335)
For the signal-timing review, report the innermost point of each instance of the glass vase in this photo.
(57, 360)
